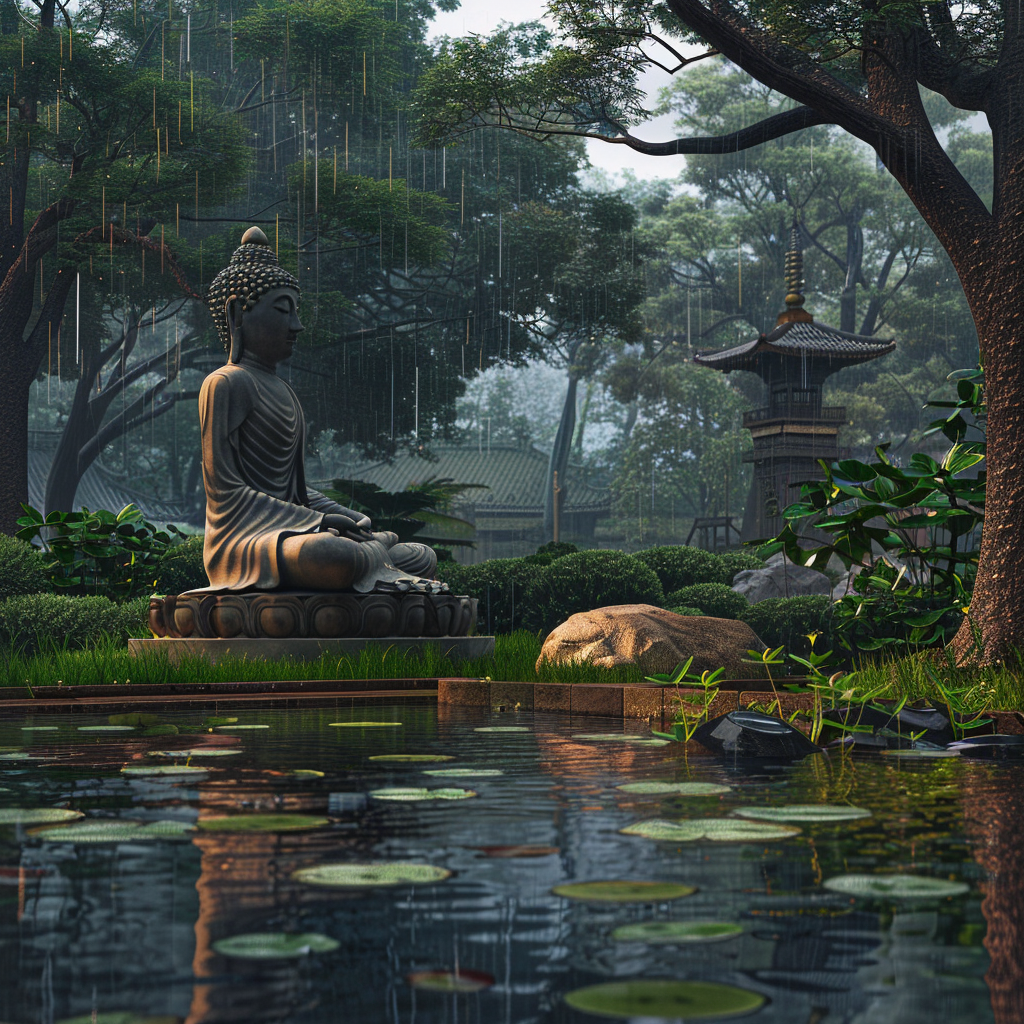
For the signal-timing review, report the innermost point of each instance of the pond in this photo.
(220, 914)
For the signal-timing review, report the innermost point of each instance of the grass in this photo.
(109, 662)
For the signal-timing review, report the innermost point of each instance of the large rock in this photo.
(780, 578)
(656, 639)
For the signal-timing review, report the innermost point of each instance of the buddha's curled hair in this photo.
(252, 272)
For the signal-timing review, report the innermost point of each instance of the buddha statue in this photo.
(265, 529)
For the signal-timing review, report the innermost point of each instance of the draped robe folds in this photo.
(254, 436)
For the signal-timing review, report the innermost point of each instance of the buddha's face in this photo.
(270, 328)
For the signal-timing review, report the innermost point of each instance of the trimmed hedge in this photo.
(737, 561)
(786, 621)
(685, 610)
(499, 584)
(35, 622)
(21, 568)
(715, 599)
(678, 566)
(587, 580)
(182, 568)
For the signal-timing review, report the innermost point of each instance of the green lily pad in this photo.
(236, 728)
(674, 788)
(40, 728)
(115, 831)
(196, 752)
(722, 830)
(503, 728)
(36, 815)
(20, 755)
(418, 793)
(618, 737)
(274, 945)
(351, 876)
(901, 887)
(163, 769)
(479, 773)
(412, 758)
(665, 1000)
(624, 892)
(450, 981)
(364, 725)
(106, 728)
(215, 720)
(261, 823)
(666, 933)
(822, 813)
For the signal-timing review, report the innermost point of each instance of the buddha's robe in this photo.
(254, 436)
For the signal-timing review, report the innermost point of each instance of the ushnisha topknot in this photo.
(252, 272)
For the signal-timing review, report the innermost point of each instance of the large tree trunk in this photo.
(996, 616)
(559, 461)
(15, 381)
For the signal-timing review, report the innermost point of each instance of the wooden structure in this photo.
(794, 430)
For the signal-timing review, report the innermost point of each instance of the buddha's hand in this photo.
(355, 527)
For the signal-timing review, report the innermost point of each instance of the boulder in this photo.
(656, 639)
(780, 578)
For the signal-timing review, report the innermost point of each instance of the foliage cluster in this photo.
(22, 568)
(40, 623)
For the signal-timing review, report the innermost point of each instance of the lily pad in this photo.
(665, 933)
(901, 887)
(618, 737)
(509, 852)
(106, 728)
(215, 720)
(274, 945)
(261, 823)
(450, 981)
(364, 725)
(417, 793)
(412, 758)
(821, 813)
(20, 755)
(721, 830)
(503, 728)
(163, 769)
(665, 1000)
(478, 773)
(674, 788)
(196, 752)
(358, 876)
(37, 815)
(115, 831)
(236, 728)
(624, 892)
(40, 728)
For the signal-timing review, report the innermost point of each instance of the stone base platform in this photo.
(213, 650)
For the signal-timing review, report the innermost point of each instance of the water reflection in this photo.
(133, 926)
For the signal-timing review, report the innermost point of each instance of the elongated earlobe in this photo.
(233, 313)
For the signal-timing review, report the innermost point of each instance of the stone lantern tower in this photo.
(793, 430)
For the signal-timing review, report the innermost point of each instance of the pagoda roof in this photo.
(798, 338)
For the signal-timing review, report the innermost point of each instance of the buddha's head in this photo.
(254, 303)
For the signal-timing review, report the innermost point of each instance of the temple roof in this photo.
(798, 338)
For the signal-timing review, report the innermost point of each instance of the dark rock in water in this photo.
(889, 731)
(752, 734)
(994, 747)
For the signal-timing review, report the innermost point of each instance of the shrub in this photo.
(499, 584)
(37, 622)
(586, 580)
(182, 568)
(685, 610)
(715, 599)
(786, 621)
(736, 561)
(22, 568)
(679, 566)
(547, 553)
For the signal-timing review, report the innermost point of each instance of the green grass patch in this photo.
(108, 662)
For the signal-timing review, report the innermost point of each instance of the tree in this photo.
(101, 149)
(861, 67)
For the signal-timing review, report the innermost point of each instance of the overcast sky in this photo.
(483, 16)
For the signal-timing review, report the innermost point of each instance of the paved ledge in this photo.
(304, 648)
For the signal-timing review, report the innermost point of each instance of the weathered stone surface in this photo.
(656, 639)
(283, 614)
(780, 578)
